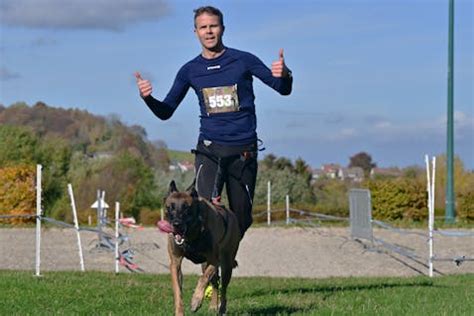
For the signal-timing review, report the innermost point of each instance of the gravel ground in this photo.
(276, 252)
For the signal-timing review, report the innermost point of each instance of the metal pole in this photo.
(430, 217)
(450, 208)
(287, 209)
(76, 226)
(38, 219)
(99, 219)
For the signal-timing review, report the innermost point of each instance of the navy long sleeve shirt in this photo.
(224, 89)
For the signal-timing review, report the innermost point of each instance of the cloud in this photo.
(6, 74)
(43, 42)
(113, 15)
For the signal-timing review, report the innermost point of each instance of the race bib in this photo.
(221, 99)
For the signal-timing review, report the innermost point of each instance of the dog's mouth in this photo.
(166, 227)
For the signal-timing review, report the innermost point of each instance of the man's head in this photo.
(210, 11)
(209, 27)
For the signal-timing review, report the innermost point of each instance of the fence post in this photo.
(269, 202)
(287, 209)
(38, 219)
(117, 258)
(76, 225)
(430, 217)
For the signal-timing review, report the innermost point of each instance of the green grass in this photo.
(180, 155)
(96, 293)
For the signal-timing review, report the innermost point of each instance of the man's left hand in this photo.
(279, 69)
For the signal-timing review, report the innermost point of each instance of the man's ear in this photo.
(172, 187)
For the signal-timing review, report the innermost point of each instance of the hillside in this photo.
(90, 134)
(74, 146)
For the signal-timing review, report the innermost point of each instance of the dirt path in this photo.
(289, 252)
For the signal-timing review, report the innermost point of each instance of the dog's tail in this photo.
(235, 264)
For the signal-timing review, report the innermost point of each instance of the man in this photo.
(222, 79)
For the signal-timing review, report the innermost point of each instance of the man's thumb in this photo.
(138, 76)
(281, 54)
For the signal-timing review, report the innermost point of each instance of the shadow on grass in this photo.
(330, 289)
(273, 310)
(292, 292)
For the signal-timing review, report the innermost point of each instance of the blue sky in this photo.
(370, 75)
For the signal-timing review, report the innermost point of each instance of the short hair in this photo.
(209, 10)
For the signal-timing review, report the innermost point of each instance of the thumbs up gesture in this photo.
(279, 68)
(144, 86)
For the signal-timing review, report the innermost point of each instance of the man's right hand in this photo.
(144, 86)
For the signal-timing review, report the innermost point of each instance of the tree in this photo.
(302, 168)
(269, 161)
(283, 163)
(17, 144)
(363, 160)
(17, 192)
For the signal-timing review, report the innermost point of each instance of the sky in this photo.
(369, 75)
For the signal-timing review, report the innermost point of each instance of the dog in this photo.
(205, 234)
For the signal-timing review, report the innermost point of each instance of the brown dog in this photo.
(202, 233)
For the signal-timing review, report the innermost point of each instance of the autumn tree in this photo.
(17, 192)
(362, 160)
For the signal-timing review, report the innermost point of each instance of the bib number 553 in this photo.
(220, 101)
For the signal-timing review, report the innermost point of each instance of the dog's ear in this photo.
(172, 187)
(192, 191)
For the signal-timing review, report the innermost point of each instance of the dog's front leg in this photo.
(176, 277)
(226, 275)
(203, 281)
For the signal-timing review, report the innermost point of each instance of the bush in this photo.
(331, 196)
(149, 217)
(283, 182)
(17, 192)
(465, 206)
(396, 199)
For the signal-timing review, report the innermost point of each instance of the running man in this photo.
(221, 77)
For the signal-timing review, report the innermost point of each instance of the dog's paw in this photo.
(213, 306)
(196, 303)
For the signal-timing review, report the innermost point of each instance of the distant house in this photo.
(317, 174)
(100, 155)
(385, 172)
(355, 174)
(183, 166)
(330, 170)
(335, 171)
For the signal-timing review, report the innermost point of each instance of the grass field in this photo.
(96, 293)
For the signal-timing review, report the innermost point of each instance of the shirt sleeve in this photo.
(165, 109)
(259, 70)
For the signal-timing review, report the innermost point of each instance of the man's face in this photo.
(209, 31)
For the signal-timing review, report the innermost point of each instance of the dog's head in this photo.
(182, 211)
